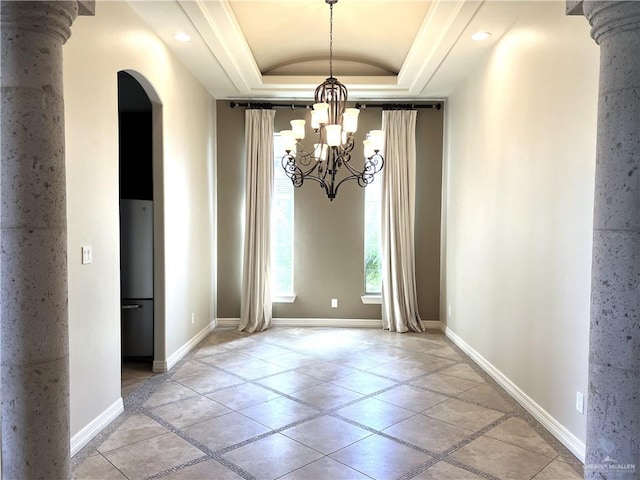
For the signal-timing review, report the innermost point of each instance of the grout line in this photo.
(134, 403)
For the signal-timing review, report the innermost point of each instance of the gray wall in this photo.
(329, 246)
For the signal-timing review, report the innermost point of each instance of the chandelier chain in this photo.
(331, 40)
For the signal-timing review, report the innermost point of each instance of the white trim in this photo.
(227, 322)
(327, 322)
(432, 324)
(567, 438)
(162, 366)
(312, 322)
(371, 299)
(93, 428)
(283, 298)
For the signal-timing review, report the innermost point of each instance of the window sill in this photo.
(283, 298)
(371, 299)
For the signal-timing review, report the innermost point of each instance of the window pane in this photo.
(372, 237)
(281, 226)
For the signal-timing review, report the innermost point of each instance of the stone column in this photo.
(613, 421)
(34, 333)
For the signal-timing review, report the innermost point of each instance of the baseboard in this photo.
(326, 322)
(84, 436)
(432, 324)
(161, 366)
(311, 322)
(569, 440)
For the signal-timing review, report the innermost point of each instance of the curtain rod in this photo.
(361, 106)
(399, 106)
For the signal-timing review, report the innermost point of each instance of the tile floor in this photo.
(134, 373)
(320, 403)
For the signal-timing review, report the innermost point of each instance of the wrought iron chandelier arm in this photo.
(367, 175)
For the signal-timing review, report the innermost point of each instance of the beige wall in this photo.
(116, 39)
(329, 246)
(519, 205)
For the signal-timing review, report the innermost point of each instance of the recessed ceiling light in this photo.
(479, 36)
(182, 37)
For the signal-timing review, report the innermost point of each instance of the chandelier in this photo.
(329, 163)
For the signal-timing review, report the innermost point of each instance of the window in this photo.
(281, 228)
(373, 237)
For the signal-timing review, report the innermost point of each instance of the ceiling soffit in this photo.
(279, 48)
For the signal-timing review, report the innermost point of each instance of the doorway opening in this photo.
(140, 236)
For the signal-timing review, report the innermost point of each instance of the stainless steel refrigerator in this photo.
(136, 276)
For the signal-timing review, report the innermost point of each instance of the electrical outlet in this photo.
(334, 303)
(193, 318)
(580, 403)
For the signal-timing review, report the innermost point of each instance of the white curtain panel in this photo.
(255, 309)
(399, 299)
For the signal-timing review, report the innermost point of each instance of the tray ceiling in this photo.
(262, 49)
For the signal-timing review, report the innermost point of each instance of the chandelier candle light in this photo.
(335, 125)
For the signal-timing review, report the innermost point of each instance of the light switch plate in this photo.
(87, 255)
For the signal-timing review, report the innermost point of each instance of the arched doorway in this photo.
(141, 228)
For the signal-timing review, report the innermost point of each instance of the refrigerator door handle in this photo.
(131, 307)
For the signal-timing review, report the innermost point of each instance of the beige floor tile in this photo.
(365, 383)
(325, 367)
(222, 336)
(168, 392)
(326, 434)
(224, 431)
(375, 413)
(187, 412)
(463, 414)
(278, 412)
(327, 370)
(444, 384)
(445, 471)
(326, 396)
(518, 432)
(265, 351)
(256, 368)
(152, 456)
(500, 459)
(242, 396)
(325, 469)
(209, 350)
(411, 398)
(400, 370)
(272, 456)
(380, 458)
(293, 360)
(489, 397)
(244, 340)
(290, 382)
(208, 470)
(207, 382)
(228, 360)
(428, 433)
(558, 470)
(387, 352)
(429, 363)
(97, 467)
(463, 371)
(190, 368)
(444, 350)
(134, 429)
(361, 361)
